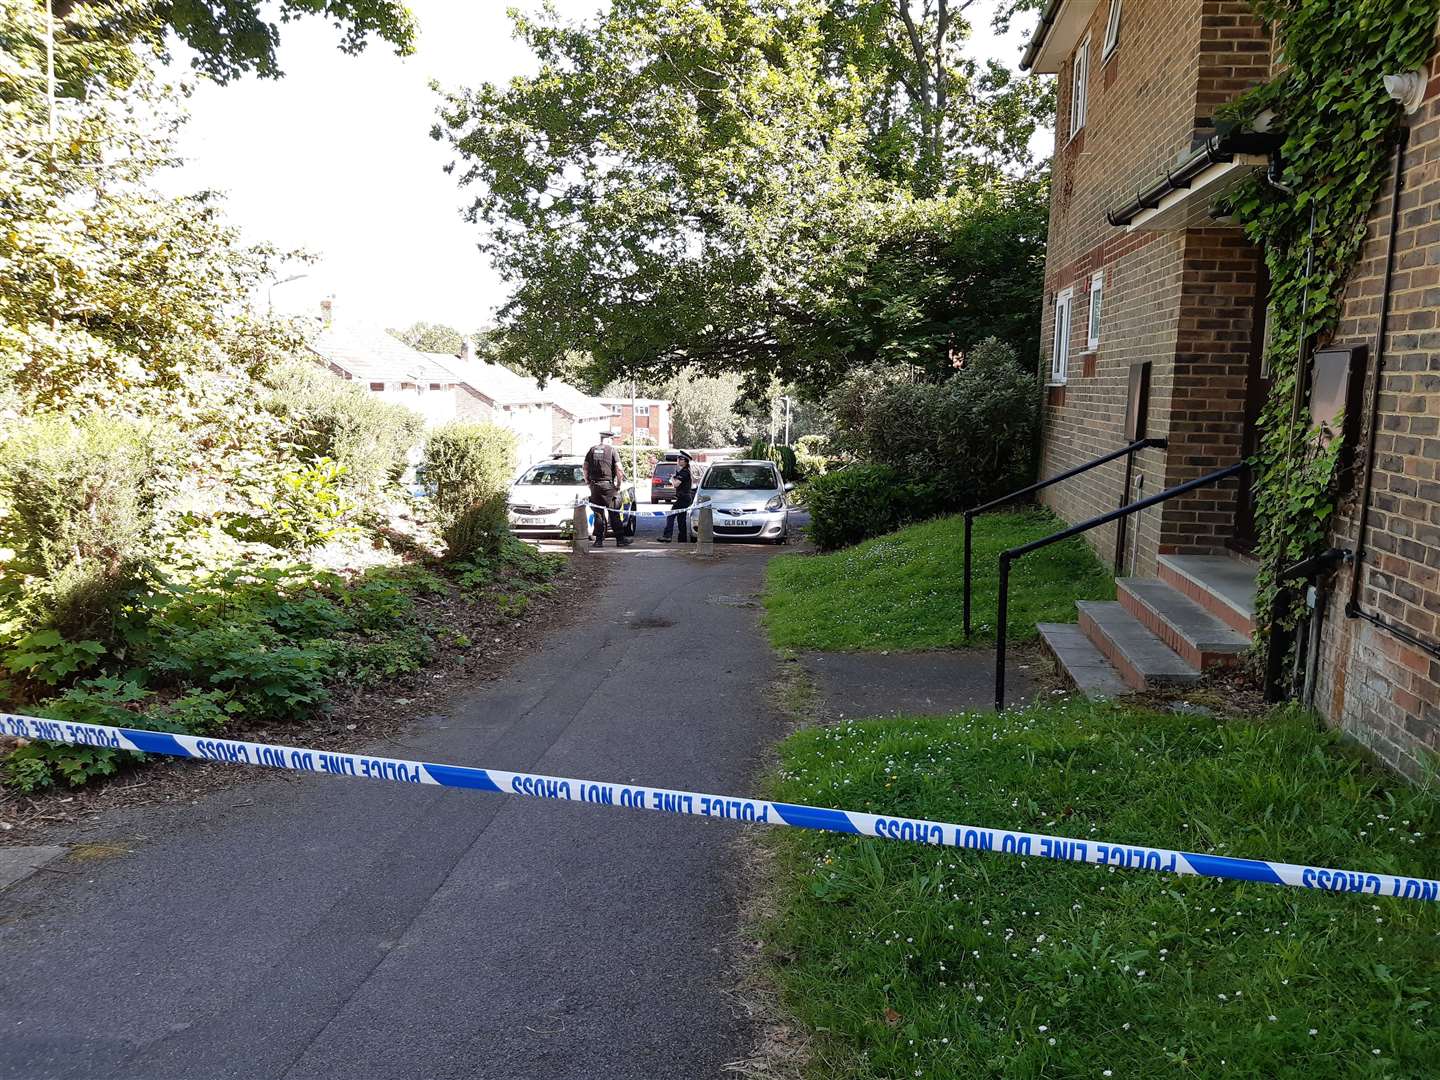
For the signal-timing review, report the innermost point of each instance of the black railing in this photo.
(1124, 451)
(1007, 557)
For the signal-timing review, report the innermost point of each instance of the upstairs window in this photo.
(1112, 31)
(1060, 357)
(1079, 87)
(1097, 293)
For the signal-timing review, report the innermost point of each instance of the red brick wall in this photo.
(1177, 299)
(1380, 689)
(1207, 395)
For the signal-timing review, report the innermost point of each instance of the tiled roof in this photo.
(372, 355)
(506, 387)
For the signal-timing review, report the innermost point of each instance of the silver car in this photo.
(542, 500)
(748, 501)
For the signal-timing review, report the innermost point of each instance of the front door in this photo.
(1258, 382)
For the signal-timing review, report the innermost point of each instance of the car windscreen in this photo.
(741, 478)
(553, 474)
(664, 470)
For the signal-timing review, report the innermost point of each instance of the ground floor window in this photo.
(1060, 357)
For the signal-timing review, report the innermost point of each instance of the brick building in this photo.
(645, 418)
(1140, 271)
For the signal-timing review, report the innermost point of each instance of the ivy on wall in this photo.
(1340, 129)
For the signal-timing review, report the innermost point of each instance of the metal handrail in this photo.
(1124, 451)
(1002, 620)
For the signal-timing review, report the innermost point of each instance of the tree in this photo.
(685, 185)
(232, 37)
(430, 337)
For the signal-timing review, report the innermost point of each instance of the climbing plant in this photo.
(1340, 130)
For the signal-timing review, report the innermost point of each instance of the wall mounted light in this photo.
(1408, 89)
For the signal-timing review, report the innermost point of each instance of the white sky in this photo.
(336, 158)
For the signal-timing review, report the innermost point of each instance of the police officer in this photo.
(684, 484)
(604, 475)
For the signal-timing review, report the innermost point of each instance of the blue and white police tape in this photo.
(638, 513)
(637, 797)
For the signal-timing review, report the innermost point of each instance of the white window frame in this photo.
(1060, 353)
(1112, 30)
(1097, 310)
(642, 410)
(1080, 88)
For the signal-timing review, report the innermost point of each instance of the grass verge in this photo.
(910, 961)
(905, 590)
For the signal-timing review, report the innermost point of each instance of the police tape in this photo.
(639, 513)
(758, 811)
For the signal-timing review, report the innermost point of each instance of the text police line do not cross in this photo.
(759, 811)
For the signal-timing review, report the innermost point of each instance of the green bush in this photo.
(79, 514)
(971, 436)
(467, 472)
(480, 529)
(389, 656)
(465, 462)
(811, 458)
(40, 765)
(331, 418)
(854, 504)
(303, 508)
(268, 676)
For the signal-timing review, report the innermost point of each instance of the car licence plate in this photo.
(739, 523)
(531, 521)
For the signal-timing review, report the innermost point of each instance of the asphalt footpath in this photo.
(309, 927)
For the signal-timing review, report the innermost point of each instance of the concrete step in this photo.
(1200, 638)
(1223, 586)
(1082, 662)
(1142, 659)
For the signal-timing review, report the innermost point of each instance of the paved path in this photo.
(300, 927)
(897, 683)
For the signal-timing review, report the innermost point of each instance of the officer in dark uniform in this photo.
(604, 475)
(684, 484)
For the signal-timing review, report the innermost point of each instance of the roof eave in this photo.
(1062, 24)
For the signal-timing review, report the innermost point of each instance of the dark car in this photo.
(660, 489)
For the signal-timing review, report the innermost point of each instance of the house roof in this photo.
(506, 387)
(371, 355)
(1062, 23)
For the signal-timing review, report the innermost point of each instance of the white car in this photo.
(747, 499)
(543, 497)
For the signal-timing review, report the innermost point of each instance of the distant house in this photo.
(647, 418)
(552, 419)
(390, 370)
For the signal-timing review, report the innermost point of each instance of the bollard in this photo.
(582, 527)
(705, 531)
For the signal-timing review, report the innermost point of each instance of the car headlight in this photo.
(777, 503)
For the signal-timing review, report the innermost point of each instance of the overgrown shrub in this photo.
(854, 504)
(782, 455)
(479, 529)
(811, 456)
(327, 417)
(465, 462)
(971, 436)
(270, 677)
(78, 503)
(299, 509)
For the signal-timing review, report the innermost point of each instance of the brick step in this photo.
(1084, 665)
(1142, 659)
(1223, 586)
(1200, 638)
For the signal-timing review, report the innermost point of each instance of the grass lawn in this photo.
(905, 590)
(909, 961)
